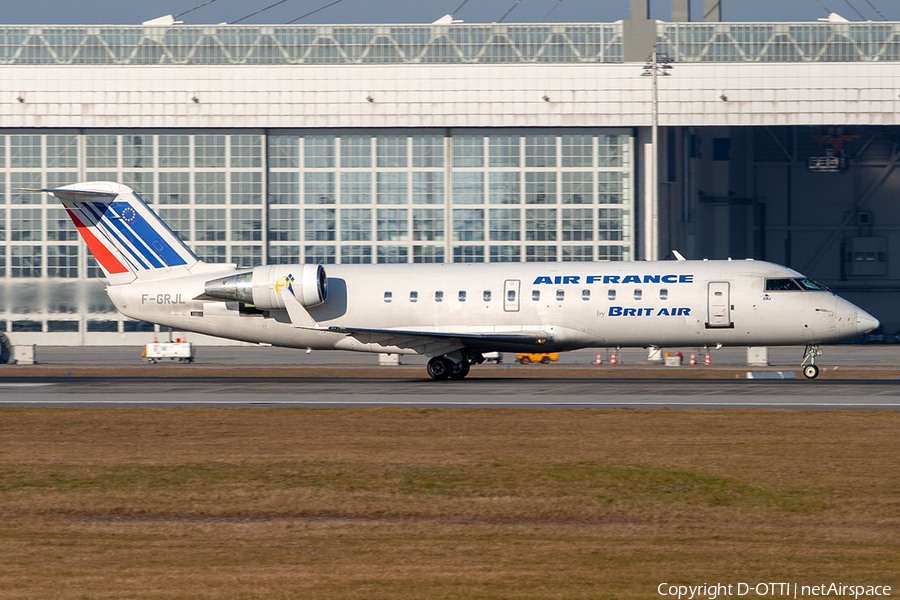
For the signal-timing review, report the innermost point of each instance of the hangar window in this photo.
(611, 294)
(414, 296)
(560, 294)
(664, 294)
(585, 294)
(535, 295)
(637, 294)
(721, 148)
(462, 295)
(439, 296)
(388, 296)
(487, 295)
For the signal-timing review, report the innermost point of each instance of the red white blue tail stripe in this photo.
(122, 233)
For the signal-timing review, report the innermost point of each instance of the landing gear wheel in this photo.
(459, 370)
(811, 371)
(439, 368)
(525, 360)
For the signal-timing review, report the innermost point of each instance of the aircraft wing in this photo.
(431, 343)
(437, 342)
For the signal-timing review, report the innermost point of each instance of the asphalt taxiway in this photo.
(251, 354)
(470, 393)
(853, 377)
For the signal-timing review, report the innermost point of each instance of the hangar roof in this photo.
(440, 44)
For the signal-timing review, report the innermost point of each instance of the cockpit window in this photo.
(793, 285)
(809, 284)
(782, 285)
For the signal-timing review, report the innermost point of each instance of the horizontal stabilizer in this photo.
(75, 192)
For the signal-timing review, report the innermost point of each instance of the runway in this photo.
(471, 393)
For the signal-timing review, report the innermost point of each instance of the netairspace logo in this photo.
(774, 590)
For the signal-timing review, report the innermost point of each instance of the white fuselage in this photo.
(576, 304)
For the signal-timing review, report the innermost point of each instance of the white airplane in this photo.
(452, 313)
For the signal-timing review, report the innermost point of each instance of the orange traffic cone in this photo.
(693, 360)
(612, 358)
(599, 359)
(707, 362)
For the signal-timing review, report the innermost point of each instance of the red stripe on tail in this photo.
(106, 259)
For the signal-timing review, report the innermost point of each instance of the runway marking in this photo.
(455, 403)
(25, 384)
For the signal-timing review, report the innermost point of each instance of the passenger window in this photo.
(414, 296)
(535, 295)
(511, 295)
(664, 294)
(487, 295)
(462, 295)
(611, 294)
(439, 296)
(637, 294)
(388, 297)
(585, 294)
(560, 294)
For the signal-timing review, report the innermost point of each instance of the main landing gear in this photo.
(447, 367)
(811, 371)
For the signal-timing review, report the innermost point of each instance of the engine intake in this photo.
(263, 286)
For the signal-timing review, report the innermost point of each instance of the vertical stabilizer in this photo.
(128, 240)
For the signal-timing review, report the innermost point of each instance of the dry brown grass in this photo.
(434, 503)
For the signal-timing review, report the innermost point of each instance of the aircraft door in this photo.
(511, 295)
(719, 305)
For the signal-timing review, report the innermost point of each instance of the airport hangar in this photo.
(452, 142)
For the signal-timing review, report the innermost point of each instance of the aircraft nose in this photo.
(866, 322)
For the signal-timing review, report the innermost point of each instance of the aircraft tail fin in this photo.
(128, 240)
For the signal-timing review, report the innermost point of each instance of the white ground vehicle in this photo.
(493, 357)
(179, 351)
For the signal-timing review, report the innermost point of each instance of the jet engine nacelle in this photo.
(265, 286)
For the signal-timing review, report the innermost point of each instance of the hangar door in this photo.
(718, 305)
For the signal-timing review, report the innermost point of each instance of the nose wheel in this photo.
(811, 371)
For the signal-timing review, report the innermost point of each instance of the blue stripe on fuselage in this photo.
(149, 235)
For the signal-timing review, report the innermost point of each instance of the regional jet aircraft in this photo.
(453, 313)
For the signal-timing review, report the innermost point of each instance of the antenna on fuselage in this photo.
(678, 255)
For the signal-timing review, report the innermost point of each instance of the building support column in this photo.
(681, 11)
(712, 10)
(647, 208)
(638, 32)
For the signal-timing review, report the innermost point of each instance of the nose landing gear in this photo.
(811, 371)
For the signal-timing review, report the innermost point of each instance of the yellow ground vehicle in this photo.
(544, 358)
